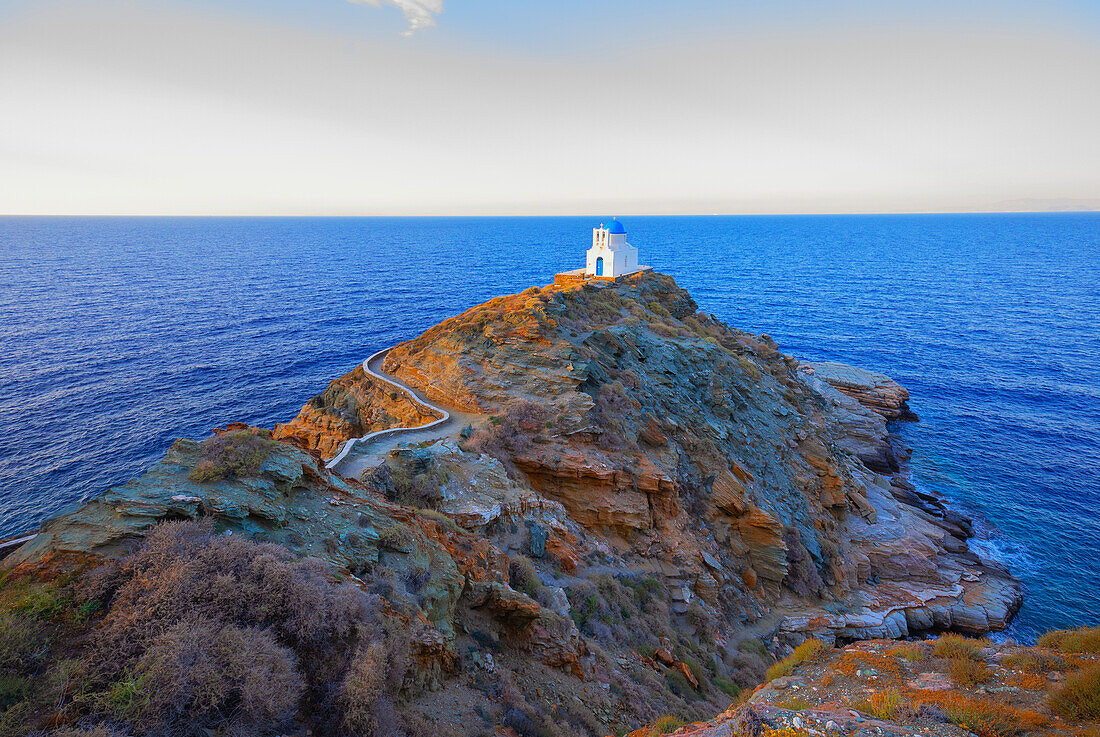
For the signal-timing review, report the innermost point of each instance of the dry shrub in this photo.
(1079, 696)
(183, 568)
(982, 716)
(957, 646)
(613, 405)
(1080, 640)
(410, 481)
(232, 454)
(510, 433)
(865, 665)
(361, 690)
(887, 704)
(523, 576)
(205, 630)
(199, 672)
(811, 650)
(968, 673)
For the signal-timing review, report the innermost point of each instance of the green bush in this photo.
(678, 684)
(726, 686)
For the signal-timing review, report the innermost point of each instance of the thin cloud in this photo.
(419, 13)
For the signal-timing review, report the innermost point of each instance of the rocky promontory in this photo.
(647, 508)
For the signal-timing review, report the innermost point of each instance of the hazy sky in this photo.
(566, 106)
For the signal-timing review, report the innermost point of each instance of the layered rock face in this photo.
(655, 503)
(875, 391)
(351, 406)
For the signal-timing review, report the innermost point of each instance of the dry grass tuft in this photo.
(888, 704)
(1080, 640)
(1026, 681)
(1079, 696)
(968, 673)
(957, 646)
(911, 651)
(1032, 661)
(811, 650)
(794, 703)
(666, 724)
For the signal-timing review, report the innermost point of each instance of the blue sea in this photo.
(120, 335)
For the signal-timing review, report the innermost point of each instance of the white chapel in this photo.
(610, 255)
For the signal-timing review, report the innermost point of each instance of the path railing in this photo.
(349, 444)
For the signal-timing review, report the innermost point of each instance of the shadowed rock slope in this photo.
(655, 508)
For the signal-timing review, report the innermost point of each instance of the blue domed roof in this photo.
(616, 226)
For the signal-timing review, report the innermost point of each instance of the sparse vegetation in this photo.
(868, 666)
(982, 716)
(511, 433)
(236, 454)
(523, 576)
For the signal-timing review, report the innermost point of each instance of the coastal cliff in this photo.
(649, 507)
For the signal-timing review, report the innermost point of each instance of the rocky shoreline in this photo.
(646, 508)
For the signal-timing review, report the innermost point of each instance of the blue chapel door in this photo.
(599, 266)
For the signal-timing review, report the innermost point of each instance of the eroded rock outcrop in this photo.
(351, 406)
(873, 390)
